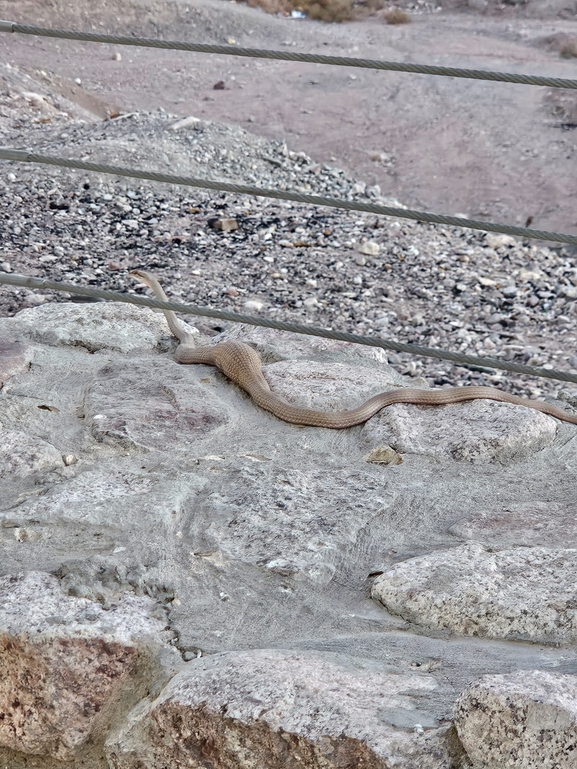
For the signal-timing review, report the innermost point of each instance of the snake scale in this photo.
(241, 364)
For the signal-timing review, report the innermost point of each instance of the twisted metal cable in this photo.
(242, 189)
(296, 328)
(338, 61)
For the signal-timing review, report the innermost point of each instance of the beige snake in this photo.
(242, 365)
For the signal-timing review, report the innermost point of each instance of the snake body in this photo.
(242, 365)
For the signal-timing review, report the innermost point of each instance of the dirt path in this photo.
(506, 152)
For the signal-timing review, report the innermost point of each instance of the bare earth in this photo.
(505, 152)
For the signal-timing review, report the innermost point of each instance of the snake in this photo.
(242, 365)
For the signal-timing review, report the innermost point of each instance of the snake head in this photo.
(139, 275)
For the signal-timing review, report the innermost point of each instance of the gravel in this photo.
(443, 287)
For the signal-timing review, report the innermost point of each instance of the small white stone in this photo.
(184, 123)
(253, 305)
(494, 240)
(370, 248)
(117, 57)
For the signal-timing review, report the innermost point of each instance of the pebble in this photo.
(253, 305)
(224, 225)
(370, 248)
(496, 240)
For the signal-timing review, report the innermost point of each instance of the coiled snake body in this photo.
(240, 363)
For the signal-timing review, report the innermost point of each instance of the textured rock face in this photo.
(151, 406)
(15, 357)
(64, 662)
(523, 593)
(290, 523)
(22, 455)
(524, 720)
(276, 709)
(478, 432)
(527, 524)
(107, 326)
(149, 487)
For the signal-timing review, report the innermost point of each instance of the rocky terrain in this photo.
(187, 581)
(443, 287)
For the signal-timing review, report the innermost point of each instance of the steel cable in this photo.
(338, 61)
(296, 328)
(26, 156)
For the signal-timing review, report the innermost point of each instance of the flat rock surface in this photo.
(527, 524)
(526, 720)
(523, 592)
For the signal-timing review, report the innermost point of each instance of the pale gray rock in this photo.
(526, 524)
(22, 454)
(65, 662)
(522, 593)
(270, 709)
(15, 358)
(111, 496)
(292, 523)
(326, 386)
(524, 720)
(106, 326)
(480, 431)
(153, 404)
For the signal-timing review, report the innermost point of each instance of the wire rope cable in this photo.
(338, 61)
(26, 156)
(29, 281)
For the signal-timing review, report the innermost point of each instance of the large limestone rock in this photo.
(273, 709)
(152, 404)
(65, 662)
(522, 593)
(524, 720)
(105, 326)
(479, 431)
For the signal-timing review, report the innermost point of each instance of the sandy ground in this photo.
(498, 151)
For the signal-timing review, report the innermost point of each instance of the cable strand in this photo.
(257, 53)
(26, 156)
(29, 281)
